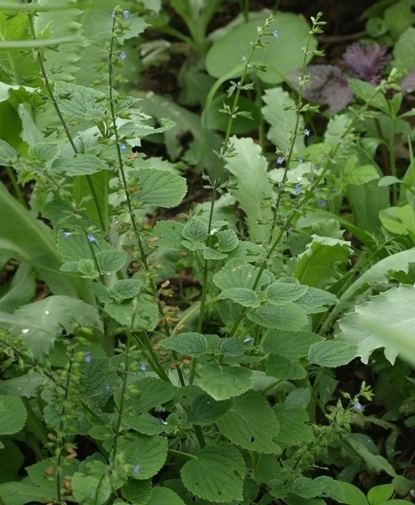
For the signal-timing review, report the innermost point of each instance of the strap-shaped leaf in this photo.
(215, 474)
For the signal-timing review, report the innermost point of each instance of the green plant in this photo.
(126, 384)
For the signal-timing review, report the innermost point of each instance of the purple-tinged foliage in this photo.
(366, 61)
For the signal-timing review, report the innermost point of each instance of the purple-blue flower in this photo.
(143, 367)
(248, 340)
(88, 358)
(122, 56)
(135, 470)
(126, 14)
(66, 234)
(123, 147)
(297, 189)
(322, 202)
(275, 34)
(280, 160)
(307, 132)
(357, 407)
(91, 238)
(107, 388)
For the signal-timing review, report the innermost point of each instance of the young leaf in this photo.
(289, 317)
(79, 102)
(160, 188)
(243, 296)
(222, 382)
(215, 474)
(89, 489)
(251, 424)
(8, 155)
(110, 260)
(80, 164)
(332, 353)
(189, 344)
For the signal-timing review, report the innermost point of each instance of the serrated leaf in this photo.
(191, 344)
(253, 190)
(386, 321)
(239, 274)
(205, 410)
(373, 461)
(79, 102)
(222, 382)
(243, 296)
(145, 455)
(137, 491)
(227, 240)
(215, 474)
(12, 415)
(141, 314)
(291, 345)
(316, 300)
(90, 490)
(284, 292)
(251, 424)
(282, 368)
(332, 353)
(357, 175)
(80, 164)
(110, 260)
(283, 317)
(280, 112)
(43, 152)
(164, 496)
(294, 428)
(160, 188)
(152, 392)
(126, 289)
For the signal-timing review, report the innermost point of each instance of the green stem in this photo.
(17, 190)
(181, 453)
(392, 161)
(63, 122)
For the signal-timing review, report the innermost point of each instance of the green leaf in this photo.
(12, 415)
(285, 292)
(18, 493)
(90, 490)
(322, 261)
(205, 410)
(137, 491)
(295, 429)
(80, 164)
(8, 155)
(79, 102)
(239, 274)
(215, 474)
(160, 188)
(227, 240)
(351, 494)
(243, 296)
(404, 50)
(251, 424)
(357, 175)
(31, 241)
(280, 57)
(43, 152)
(253, 190)
(164, 496)
(282, 368)
(126, 289)
(280, 112)
(110, 260)
(287, 317)
(374, 462)
(21, 289)
(189, 344)
(332, 353)
(138, 315)
(222, 382)
(386, 321)
(144, 455)
(152, 392)
(51, 315)
(315, 300)
(33, 44)
(379, 494)
(291, 345)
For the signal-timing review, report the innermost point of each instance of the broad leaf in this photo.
(291, 345)
(222, 382)
(243, 296)
(293, 421)
(215, 474)
(251, 424)
(80, 164)
(163, 496)
(190, 344)
(160, 188)
(332, 353)
(282, 317)
(205, 410)
(12, 415)
(144, 455)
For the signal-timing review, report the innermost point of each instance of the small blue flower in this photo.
(280, 160)
(322, 203)
(307, 132)
(135, 470)
(107, 388)
(275, 34)
(300, 160)
(297, 189)
(248, 340)
(358, 407)
(88, 358)
(91, 238)
(126, 14)
(122, 56)
(143, 367)
(123, 147)
(66, 234)
(412, 493)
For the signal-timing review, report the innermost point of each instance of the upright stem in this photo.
(63, 122)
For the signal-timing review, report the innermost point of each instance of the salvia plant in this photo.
(153, 356)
